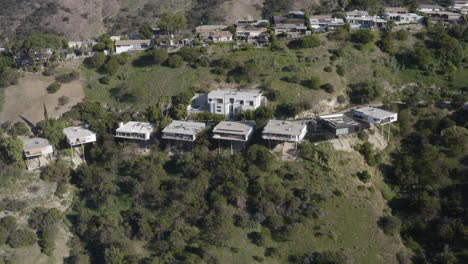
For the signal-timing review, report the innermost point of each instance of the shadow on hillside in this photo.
(143, 61)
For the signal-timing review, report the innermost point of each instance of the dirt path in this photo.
(27, 98)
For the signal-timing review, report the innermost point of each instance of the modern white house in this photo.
(221, 36)
(460, 6)
(292, 30)
(250, 32)
(402, 19)
(233, 131)
(363, 20)
(325, 22)
(183, 130)
(228, 102)
(79, 135)
(130, 45)
(135, 130)
(374, 115)
(280, 130)
(39, 150)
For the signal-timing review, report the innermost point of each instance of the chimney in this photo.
(120, 124)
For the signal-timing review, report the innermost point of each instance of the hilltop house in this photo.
(233, 131)
(363, 20)
(292, 24)
(132, 45)
(339, 124)
(135, 130)
(229, 102)
(37, 149)
(401, 19)
(79, 135)
(279, 130)
(374, 115)
(325, 22)
(247, 33)
(183, 130)
(221, 36)
(460, 6)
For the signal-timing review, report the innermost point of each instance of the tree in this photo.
(54, 87)
(313, 83)
(21, 129)
(273, 7)
(175, 61)
(112, 66)
(145, 32)
(171, 23)
(364, 176)
(263, 113)
(8, 77)
(328, 87)
(159, 56)
(96, 61)
(361, 93)
(22, 238)
(11, 151)
(390, 225)
(113, 255)
(311, 41)
(52, 130)
(362, 36)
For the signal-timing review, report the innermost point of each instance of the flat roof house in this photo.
(250, 32)
(132, 45)
(79, 135)
(233, 131)
(183, 130)
(279, 130)
(340, 124)
(400, 19)
(135, 130)
(221, 36)
(228, 102)
(37, 147)
(325, 22)
(374, 115)
(398, 10)
(362, 20)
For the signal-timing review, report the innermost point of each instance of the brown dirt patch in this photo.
(27, 98)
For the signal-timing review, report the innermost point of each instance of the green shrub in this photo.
(390, 225)
(63, 100)
(313, 83)
(341, 99)
(340, 70)
(105, 80)
(68, 77)
(257, 238)
(364, 176)
(54, 87)
(21, 129)
(22, 238)
(328, 69)
(401, 34)
(96, 61)
(311, 41)
(362, 36)
(328, 87)
(48, 72)
(175, 61)
(159, 56)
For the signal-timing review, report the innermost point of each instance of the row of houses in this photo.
(40, 149)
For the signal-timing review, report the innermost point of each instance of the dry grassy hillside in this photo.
(78, 19)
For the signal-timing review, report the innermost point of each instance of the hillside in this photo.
(81, 19)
